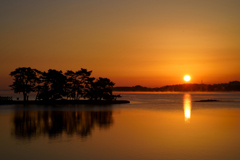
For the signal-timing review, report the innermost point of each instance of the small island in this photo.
(208, 100)
(54, 87)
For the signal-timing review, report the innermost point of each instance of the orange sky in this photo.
(135, 42)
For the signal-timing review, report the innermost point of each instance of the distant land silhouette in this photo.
(231, 86)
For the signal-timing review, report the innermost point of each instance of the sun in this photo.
(187, 78)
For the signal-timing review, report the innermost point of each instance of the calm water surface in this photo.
(152, 126)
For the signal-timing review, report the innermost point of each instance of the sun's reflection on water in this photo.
(187, 106)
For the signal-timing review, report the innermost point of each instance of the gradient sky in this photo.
(133, 42)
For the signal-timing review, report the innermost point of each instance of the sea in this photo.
(154, 125)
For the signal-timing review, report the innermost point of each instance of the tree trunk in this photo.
(24, 97)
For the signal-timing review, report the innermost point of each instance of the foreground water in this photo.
(152, 126)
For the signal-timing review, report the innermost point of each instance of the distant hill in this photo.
(231, 86)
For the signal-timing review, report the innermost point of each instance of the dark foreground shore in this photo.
(97, 102)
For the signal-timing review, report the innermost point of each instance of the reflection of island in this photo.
(187, 106)
(28, 124)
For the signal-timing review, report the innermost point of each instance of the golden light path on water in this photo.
(187, 106)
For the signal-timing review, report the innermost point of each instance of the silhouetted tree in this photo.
(54, 85)
(72, 84)
(101, 89)
(25, 80)
(90, 89)
(76, 83)
(84, 76)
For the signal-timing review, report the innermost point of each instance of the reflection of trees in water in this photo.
(28, 124)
